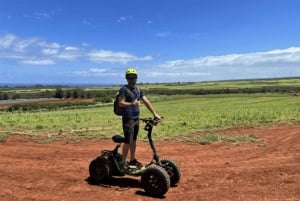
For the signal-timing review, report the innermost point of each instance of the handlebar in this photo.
(153, 121)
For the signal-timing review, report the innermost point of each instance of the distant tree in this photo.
(68, 94)
(5, 96)
(76, 93)
(89, 95)
(16, 96)
(47, 93)
(59, 93)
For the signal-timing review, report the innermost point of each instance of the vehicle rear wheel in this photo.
(100, 170)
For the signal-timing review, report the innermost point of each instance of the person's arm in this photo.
(123, 103)
(150, 107)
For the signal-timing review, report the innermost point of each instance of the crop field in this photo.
(183, 115)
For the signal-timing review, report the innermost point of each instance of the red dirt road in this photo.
(268, 170)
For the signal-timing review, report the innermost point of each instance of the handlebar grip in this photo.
(152, 120)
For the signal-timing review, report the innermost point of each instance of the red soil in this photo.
(268, 170)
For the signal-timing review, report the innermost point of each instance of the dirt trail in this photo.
(269, 170)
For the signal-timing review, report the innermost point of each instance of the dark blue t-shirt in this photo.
(136, 93)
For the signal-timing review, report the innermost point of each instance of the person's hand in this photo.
(157, 117)
(136, 103)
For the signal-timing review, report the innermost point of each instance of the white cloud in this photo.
(162, 34)
(266, 59)
(87, 22)
(48, 51)
(99, 56)
(274, 63)
(7, 40)
(71, 48)
(177, 74)
(33, 49)
(38, 62)
(69, 56)
(49, 45)
(85, 44)
(96, 72)
(41, 15)
(124, 18)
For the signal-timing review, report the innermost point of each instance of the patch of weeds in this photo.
(3, 138)
(39, 127)
(211, 138)
(43, 141)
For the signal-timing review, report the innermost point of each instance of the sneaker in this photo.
(136, 163)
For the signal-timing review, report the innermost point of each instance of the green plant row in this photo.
(33, 106)
(183, 115)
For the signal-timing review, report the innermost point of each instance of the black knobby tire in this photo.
(155, 181)
(173, 170)
(100, 170)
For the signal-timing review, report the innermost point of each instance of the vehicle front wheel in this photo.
(172, 169)
(155, 181)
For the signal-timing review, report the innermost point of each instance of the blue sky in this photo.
(94, 41)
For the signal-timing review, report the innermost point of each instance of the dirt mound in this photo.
(268, 170)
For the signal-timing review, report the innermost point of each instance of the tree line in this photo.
(107, 95)
(99, 95)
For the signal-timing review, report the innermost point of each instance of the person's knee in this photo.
(131, 140)
(128, 139)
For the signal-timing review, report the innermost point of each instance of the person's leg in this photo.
(132, 150)
(125, 152)
(133, 160)
(134, 138)
(128, 129)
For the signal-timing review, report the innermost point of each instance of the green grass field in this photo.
(183, 115)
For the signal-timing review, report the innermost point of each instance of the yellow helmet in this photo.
(130, 72)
